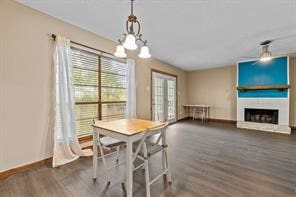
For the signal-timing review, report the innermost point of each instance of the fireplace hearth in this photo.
(262, 115)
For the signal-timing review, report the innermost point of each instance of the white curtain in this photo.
(131, 90)
(66, 146)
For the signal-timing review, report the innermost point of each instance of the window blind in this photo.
(100, 89)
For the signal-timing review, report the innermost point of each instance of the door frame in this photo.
(151, 86)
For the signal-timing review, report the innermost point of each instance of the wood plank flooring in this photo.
(213, 159)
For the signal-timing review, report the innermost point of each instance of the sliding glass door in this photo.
(163, 97)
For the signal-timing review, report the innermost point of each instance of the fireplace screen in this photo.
(262, 115)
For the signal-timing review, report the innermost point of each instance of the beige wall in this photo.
(25, 77)
(143, 78)
(293, 91)
(217, 87)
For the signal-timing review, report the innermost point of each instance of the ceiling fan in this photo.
(265, 54)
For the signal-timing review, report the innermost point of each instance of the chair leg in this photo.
(168, 166)
(202, 118)
(95, 155)
(117, 154)
(105, 163)
(163, 159)
(146, 166)
(147, 178)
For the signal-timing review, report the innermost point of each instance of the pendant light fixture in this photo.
(131, 38)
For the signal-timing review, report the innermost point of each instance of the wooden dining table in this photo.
(128, 131)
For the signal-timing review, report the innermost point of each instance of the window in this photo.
(100, 89)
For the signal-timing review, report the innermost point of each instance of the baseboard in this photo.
(24, 168)
(181, 119)
(34, 165)
(223, 120)
(293, 130)
(213, 120)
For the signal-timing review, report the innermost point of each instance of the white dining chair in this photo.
(108, 143)
(199, 112)
(146, 148)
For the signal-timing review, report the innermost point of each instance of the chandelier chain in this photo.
(132, 7)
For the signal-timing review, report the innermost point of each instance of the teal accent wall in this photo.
(274, 72)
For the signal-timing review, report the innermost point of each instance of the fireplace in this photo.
(261, 103)
(262, 115)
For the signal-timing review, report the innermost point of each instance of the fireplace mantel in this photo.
(263, 87)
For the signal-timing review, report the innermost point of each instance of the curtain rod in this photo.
(101, 51)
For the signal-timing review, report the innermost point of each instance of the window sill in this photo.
(85, 138)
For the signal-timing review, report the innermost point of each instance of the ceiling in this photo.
(190, 34)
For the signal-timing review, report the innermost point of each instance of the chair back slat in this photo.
(156, 130)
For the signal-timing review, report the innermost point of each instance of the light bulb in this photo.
(130, 42)
(265, 59)
(144, 52)
(265, 56)
(120, 52)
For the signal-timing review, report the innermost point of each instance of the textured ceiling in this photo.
(190, 34)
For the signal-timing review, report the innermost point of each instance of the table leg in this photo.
(95, 154)
(129, 169)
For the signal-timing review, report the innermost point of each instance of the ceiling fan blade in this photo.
(249, 58)
(245, 57)
(256, 62)
(284, 37)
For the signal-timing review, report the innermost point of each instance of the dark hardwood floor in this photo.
(213, 159)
